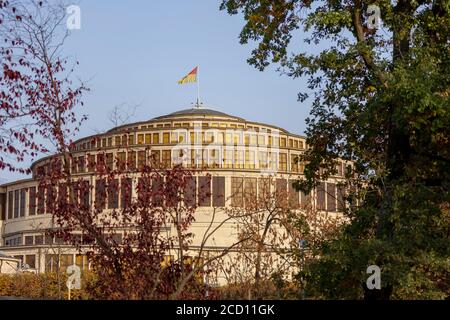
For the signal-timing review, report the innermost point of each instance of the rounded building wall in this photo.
(233, 151)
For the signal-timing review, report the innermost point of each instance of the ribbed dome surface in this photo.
(197, 112)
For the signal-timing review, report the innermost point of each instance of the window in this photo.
(51, 263)
(331, 197)
(220, 138)
(281, 192)
(30, 260)
(283, 142)
(340, 197)
(261, 140)
(23, 194)
(28, 240)
(10, 204)
(283, 161)
(156, 138)
(166, 138)
(144, 190)
(263, 160)
(250, 187)
(74, 166)
(110, 161)
(301, 167)
(116, 238)
(65, 260)
(237, 195)
(85, 194)
(321, 196)
(166, 158)
(100, 194)
(253, 139)
(100, 162)
(121, 160)
(82, 261)
(214, 158)
(204, 191)
(50, 199)
(117, 141)
(228, 160)
(209, 137)
(32, 201)
(38, 240)
(174, 137)
(113, 197)
(140, 139)
(249, 159)
(157, 191)
(126, 192)
(237, 139)
(16, 204)
(148, 138)
(132, 160)
(91, 163)
(130, 139)
(48, 239)
(142, 159)
(190, 192)
(81, 164)
(62, 195)
(228, 139)
(239, 159)
(264, 189)
(15, 241)
(110, 142)
(2, 206)
(293, 195)
(339, 169)
(155, 158)
(294, 163)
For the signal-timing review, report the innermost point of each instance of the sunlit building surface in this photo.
(236, 153)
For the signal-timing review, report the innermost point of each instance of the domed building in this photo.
(234, 152)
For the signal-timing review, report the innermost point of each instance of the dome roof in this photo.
(197, 112)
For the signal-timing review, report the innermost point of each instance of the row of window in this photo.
(194, 158)
(245, 191)
(47, 239)
(185, 136)
(60, 262)
(200, 191)
(109, 194)
(27, 261)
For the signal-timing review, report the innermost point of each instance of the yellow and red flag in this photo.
(190, 78)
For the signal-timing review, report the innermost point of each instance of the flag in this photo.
(191, 77)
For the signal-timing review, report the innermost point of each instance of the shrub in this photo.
(43, 286)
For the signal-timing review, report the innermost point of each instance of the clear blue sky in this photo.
(135, 51)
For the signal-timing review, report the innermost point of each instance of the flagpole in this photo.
(198, 87)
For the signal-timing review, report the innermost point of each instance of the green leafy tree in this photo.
(380, 98)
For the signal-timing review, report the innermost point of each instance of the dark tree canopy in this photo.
(380, 98)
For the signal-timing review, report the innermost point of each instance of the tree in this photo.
(39, 94)
(139, 244)
(275, 226)
(381, 100)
